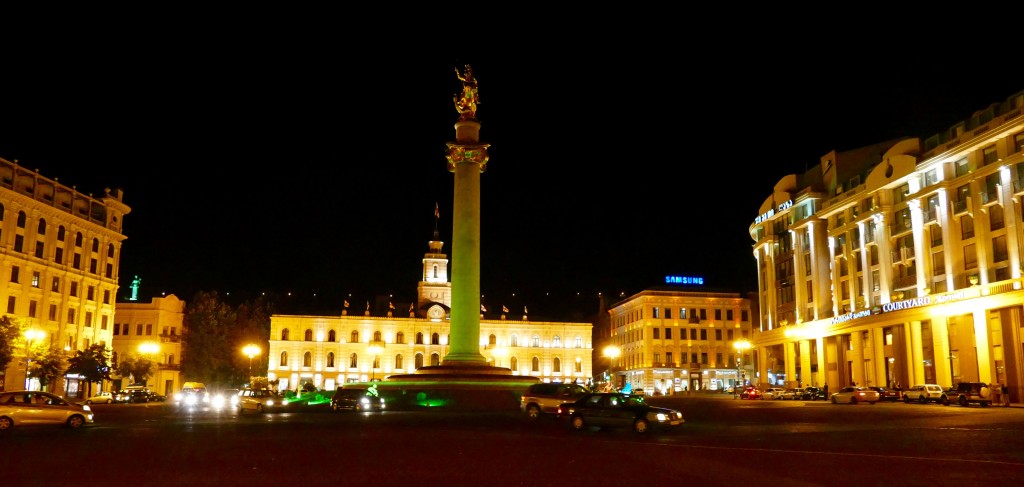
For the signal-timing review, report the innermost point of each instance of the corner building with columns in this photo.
(329, 351)
(899, 263)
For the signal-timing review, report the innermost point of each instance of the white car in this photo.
(100, 398)
(259, 400)
(773, 393)
(24, 408)
(923, 393)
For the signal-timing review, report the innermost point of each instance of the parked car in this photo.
(887, 394)
(773, 393)
(357, 399)
(18, 408)
(816, 393)
(121, 396)
(923, 393)
(545, 397)
(259, 400)
(105, 397)
(751, 392)
(966, 393)
(854, 395)
(615, 409)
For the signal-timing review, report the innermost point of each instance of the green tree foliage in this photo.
(138, 367)
(252, 326)
(10, 334)
(47, 364)
(93, 364)
(208, 353)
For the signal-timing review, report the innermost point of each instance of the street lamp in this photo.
(612, 352)
(31, 335)
(741, 346)
(147, 349)
(374, 350)
(251, 350)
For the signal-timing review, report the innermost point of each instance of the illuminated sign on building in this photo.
(684, 280)
(851, 316)
(924, 301)
(763, 217)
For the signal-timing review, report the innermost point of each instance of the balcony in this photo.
(960, 206)
(165, 338)
(904, 282)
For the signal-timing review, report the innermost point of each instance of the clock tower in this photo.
(435, 292)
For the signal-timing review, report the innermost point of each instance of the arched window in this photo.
(330, 359)
(60, 233)
(42, 226)
(376, 336)
(435, 359)
(418, 361)
(419, 338)
(307, 359)
(21, 219)
(398, 361)
(354, 338)
(376, 361)
(284, 335)
(435, 339)
(514, 364)
(308, 336)
(400, 337)
(578, 342)
(535, 342)
(435, 271)
(332, 336)
(492, 340)
(284, 359)
(557, 366)
(353, 361)
(110, 250)
(95, 245)
(579, 365)
(557, 342)
(515, 341)
(535, 364)
(78, 239)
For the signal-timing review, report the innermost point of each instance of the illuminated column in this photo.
(822, 364)
(790, 351)
(915, 351)
(806, 378)
(467, 159)
(981, 339)
(943, 355)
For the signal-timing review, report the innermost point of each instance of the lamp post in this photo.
(612, 352)
(147, 349)
(374, 350)
(251, 350)
(31, 335)
(741, 346)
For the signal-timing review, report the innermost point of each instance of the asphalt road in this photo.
(725, 441)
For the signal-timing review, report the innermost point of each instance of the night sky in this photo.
(312, 169)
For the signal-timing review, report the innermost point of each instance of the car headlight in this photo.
(190, 400)
(270, 402)
(177, 396)
(661, 417)
(85, 407)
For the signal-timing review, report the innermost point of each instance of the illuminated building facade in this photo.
(59, 255)
(151, 330)
(328, 351)
(671, 340)
(898, 263)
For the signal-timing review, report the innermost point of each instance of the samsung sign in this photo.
(684, 280)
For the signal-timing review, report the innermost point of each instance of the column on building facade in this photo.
(942, 351)
(882, 235)
(806, 377)
(915, 350)
(1010, 220)
(879, 361)
(981, 343)
(856, 357)
(789, 351)
(761, 364)
(922, 263)
(867, 283)
(947, 218)
(820, 269)
(800, 277)
(822, 362)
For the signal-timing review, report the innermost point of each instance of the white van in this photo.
(192, 394)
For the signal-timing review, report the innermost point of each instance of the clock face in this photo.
(436, 312)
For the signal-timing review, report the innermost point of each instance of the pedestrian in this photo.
(826, 390)
(1006, 395)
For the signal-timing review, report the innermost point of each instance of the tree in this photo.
(10, 332)
(252, 326)
(139, 368)
(207, 352)
(93, 364)
(47, 365)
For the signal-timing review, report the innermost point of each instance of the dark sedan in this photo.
(616, 409)
(887, 394)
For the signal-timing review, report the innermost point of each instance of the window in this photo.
(53, 313)
(106, 296)
(60, 233)
(514, 363)
(95, 245)
(138, 329)
(657, 334)
(657, 313)
(435, 359)
(353, 360)
(579, 365)
(435, 339)
(668, 333)
(419, 338)
(284, 359)
(124, 329)
(76, 262)
(307, 359)
(693, 333)
(32, 308)
(995, 217)
(39, 250)
(966, 227)
(1018, 142)
(556, 365)
(514, 341)
(308, 336)
(718, 334)
(149, 329)
(78, 239)
(284, 335)
(10, 304)
(376, 337)
(418, 360)
(703, 334)
(400, 337)
(668, 359)
(718, 315)
(970, 257)
(15, 270)
(92, 266)
(332, 336)
(578, 342)
(88, 318)
(354, 337)
(961, 167)
(989, 155)
(398, 361)
(58, 255)
(90, 293)
(931, 177)
(535, 341)
(35, 279)
(21, 219)
(535, 364)
(71, 316)
(999, 253)
(110, 250)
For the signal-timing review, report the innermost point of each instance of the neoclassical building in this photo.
(328, 351)
(151, 330)
(898, 263)
(59, 256)
(680, 339)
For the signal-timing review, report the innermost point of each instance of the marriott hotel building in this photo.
(899, 263)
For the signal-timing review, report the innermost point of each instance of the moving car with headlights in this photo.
(24, 408)
(615, 409)
(545, 397)
(357, 399)
(854, 395)
(192, 394)
(259, 400)
(226, 398)
(923, 393)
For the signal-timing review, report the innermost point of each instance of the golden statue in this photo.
(466, 104)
